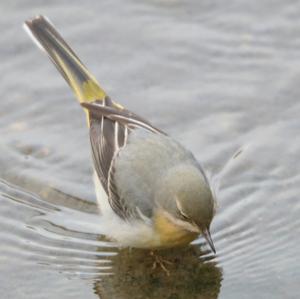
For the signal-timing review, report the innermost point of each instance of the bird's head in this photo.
(185, 197)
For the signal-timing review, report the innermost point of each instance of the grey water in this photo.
(222, 77)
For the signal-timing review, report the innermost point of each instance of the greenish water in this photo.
(220, 78)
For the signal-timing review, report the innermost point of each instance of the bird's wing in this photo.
(109, 131)
(121, 116)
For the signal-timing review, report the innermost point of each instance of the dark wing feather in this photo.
(123, 116)
(109, 130)
(116, 202)
(102, 147)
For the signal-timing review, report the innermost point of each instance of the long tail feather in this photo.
(83, 83)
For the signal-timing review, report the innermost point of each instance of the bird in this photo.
(147, 184)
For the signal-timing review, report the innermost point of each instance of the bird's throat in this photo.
(171, 234)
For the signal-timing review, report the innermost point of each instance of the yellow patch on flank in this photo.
(170, 233)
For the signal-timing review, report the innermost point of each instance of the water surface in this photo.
(222, 78)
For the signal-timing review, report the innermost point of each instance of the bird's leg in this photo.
(160, 262)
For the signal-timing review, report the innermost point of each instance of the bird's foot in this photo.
(159, 262)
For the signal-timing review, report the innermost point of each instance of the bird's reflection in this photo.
(131, 274)
(135, 277)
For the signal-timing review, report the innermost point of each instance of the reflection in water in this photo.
(257, 245)
(255, 231)
(135, 277)
(67, 240)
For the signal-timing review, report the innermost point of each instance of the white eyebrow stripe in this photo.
(181, 223)
(179, 207)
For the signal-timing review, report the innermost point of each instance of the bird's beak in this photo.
(207, 236)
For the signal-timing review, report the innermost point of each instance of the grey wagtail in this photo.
(147, 183)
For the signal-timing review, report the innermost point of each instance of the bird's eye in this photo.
(183, 216)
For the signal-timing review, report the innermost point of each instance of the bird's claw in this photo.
(160, 262)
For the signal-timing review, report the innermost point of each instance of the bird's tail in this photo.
(83, 83)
